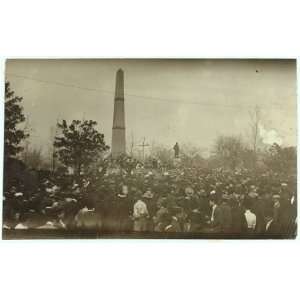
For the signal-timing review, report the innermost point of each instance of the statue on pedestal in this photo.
(176, 150)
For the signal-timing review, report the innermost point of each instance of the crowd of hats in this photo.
(178, 199)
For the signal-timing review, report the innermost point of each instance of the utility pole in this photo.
(131, 144)
(143, 145)
(28, 130)
(255, 122)
(53, 133)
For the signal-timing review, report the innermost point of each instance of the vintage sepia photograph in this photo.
(150, 148)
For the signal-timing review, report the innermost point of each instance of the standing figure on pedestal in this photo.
(176, 150)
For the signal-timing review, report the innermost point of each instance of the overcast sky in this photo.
(189, 101)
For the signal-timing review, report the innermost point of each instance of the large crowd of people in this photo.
(179, 199)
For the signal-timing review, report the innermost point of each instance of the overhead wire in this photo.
(172, 101)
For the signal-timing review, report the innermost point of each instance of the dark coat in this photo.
(123, 211)
(226, 217)
(238, 219)
(217, 222)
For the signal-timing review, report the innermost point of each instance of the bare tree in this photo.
(34, 158)
(255, 120)
(25, 152)
(229, 150)
(28, 129)
(132, 145)
(53, 133)
(143, 145)
(191, 150)
(163, 154)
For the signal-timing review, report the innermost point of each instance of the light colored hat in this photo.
(70, 200)
(148, 195)
(21, 226)
(225, 197)
(189, 190)
(121, 195)
(202, 192)
(252, 195)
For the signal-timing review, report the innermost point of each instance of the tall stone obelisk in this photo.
(118, 144)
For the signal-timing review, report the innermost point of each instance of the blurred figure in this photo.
(123, 211)
(140, 215)
(176, 150)
(225, 215)
(250, 220)
(88, 219)
(216, 215)
(160, 219)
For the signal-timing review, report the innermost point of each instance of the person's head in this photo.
(76, 189)
(125, 189)
(284, 186)
(17, 216)
(202, 193)
(189, 191)
(148, 194)
(167, 218)
(225, 198)
(161, 202)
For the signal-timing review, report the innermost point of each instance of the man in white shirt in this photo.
(212, 217)
(250, 219)
(140, 215)
(212, 203)
(216, 215)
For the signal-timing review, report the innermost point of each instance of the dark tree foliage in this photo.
(79, 144)
(281, 159)
(13, 135)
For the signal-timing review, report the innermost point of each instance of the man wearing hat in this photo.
(216, 214)
(122, 211)
(276, 208)
(87, 218)
(250, 218)
(160, 217)
(148, 198)
(226, 216)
